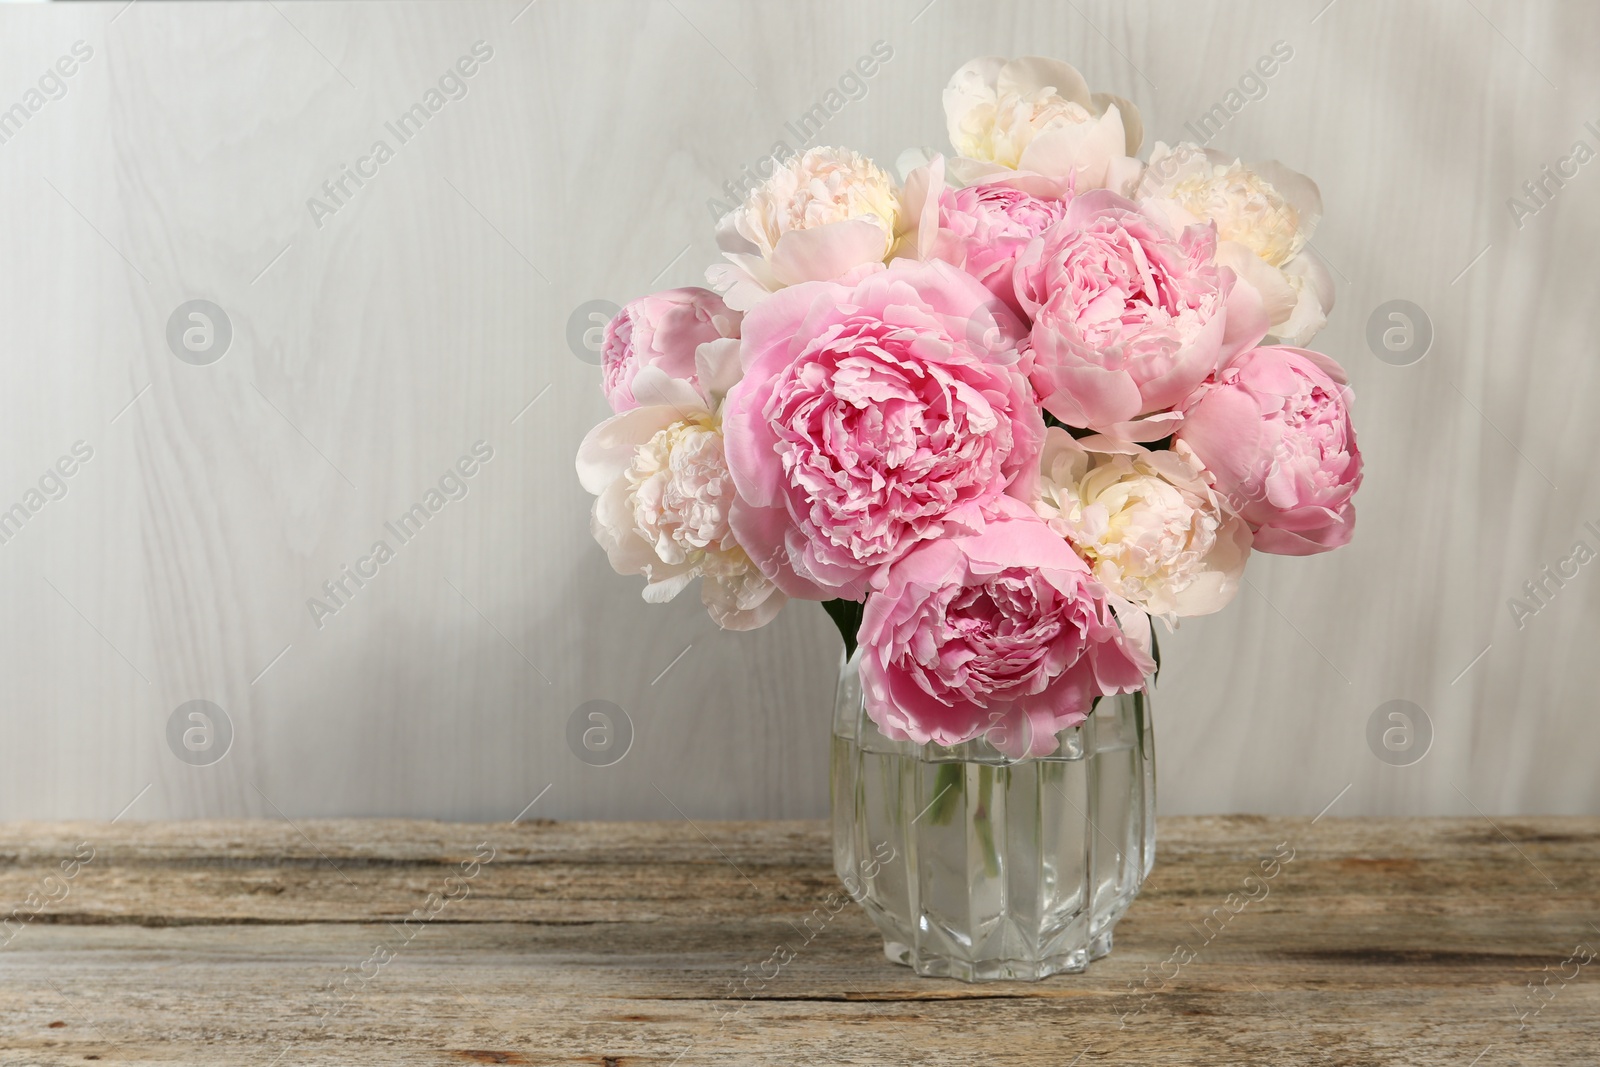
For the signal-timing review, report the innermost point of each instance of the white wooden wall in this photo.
(371, 351)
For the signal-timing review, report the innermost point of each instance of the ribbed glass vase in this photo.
(979, 867)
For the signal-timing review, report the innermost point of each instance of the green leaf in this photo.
(1155, 652)
(846, 615)
(1078, 432)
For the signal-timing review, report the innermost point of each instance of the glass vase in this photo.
(977, 866)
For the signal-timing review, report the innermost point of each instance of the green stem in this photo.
(947, 790)
(1138, 722)
(983, 817)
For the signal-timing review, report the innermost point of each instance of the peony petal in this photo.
(971, 86)
(1246, 323)
(1326, 538)
(961, 171)
(919, 198)
(611, 523)
(667, 582)
(911, 159)
(761, 532)
(1277, 296)
(1300, 192)
(1136, 625)
(1132, 124)
(1326, 364)
(823, 253)
(1227, 433)
(722, 603)
(1028, 74)
(1176, 217)
(1086, 395)
(1149, 428)
(1215, 587)
(717, 369)
(1315, 299)
(1083, 152)
(654, 387)
(608, 449)
(744, 281)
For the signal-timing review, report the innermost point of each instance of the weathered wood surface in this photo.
(1380, 942)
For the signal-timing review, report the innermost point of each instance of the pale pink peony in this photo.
(1004, 634)
(826, 214)
(664, 495)
(1129, 317)
(983, 227)
(1274, 430)
(872, 417)
(1150, 526)
(663, 330)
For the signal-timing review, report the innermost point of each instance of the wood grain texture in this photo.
(1380, 941)
(374, 346)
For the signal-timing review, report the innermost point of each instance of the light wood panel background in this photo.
(371, 352)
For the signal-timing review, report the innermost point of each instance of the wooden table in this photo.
(379, 942)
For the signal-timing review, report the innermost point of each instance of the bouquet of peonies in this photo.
(994, 416)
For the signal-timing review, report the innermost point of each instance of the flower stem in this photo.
(948, 785)
(983, 817)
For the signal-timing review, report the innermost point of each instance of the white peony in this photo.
(663, 492)
(1265, 215)
(679, 489)
(1148, 524)
(1037, 116)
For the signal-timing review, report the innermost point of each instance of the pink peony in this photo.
(983, 227)
(661, 330)
(1004, 634)
(871, 417)
(1274, 429)
(1128, 317)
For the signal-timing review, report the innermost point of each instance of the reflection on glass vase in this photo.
(977, 866)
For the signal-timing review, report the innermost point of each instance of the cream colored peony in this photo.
(1037, 116)
(1265, 215)
(821, 215)
(1147, 522)
(663, 492)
